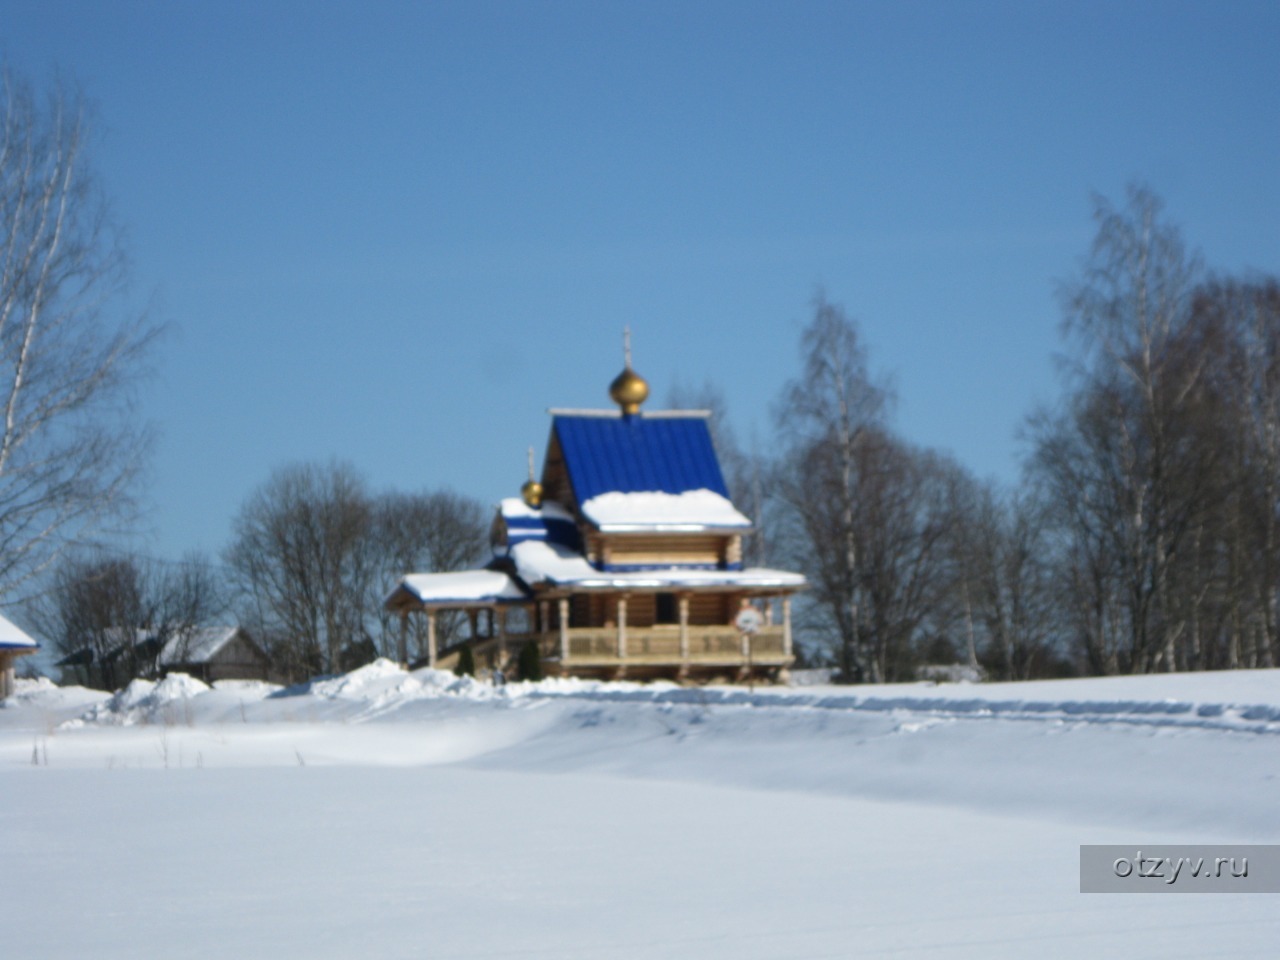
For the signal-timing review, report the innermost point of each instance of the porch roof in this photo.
(460, 589)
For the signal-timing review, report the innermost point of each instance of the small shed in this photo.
(14, 643)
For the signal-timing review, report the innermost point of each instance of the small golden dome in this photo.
(531, 493)
(629, 390)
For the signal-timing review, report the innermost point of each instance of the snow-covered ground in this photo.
(387, 814)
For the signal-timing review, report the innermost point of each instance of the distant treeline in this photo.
(1143, 535)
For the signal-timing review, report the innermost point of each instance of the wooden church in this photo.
(625, 560)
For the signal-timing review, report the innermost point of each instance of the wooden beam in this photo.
(786, 626)
(402, 647)
(564, 629)
(431, 638)
(502, 637)
(684, 627)
(622, 627)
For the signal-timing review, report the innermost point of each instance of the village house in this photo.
(206, 653)
(624, 560)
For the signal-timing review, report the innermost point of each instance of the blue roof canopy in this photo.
(637, 454)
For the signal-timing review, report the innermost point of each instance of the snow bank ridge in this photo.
(383, 687)
(144, 701)
(1261, 718)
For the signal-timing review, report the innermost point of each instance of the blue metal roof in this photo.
(638, 454)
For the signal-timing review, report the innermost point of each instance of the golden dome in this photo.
(629, 390)
(531, 493)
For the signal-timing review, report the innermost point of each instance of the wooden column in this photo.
(564, 629)
(402, 645)
(684, 627)
(502, 636)
(431, 638)
(622, 627)
(786, 626)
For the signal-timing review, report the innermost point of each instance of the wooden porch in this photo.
(686, 636)
(682, 651)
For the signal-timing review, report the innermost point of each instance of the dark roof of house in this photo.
(636, 454)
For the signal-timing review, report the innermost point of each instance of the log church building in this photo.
(624, 560)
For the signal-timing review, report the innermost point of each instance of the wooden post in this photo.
(402, 647)
(684, 627)
(564, 629)
(502, 637)
(431, 638)
(786, 626)
(622, 627)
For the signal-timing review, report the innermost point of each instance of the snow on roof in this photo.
(195, 646)
(513, 508)
(12, 637)
(657, 510)
(462, 587)
(550, 522)
(538, 561)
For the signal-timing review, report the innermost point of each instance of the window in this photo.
(667, 609)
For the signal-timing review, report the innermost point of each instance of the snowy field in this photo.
(387, 815)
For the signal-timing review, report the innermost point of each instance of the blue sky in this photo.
(396, 233)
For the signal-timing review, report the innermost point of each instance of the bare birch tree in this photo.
(69, 444)
(1130, 463)
(314, 553)
(1006, 587)
(824, 418)
(303, 559)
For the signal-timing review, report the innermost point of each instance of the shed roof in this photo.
(197, 645)
(13, 637)
(181, 645)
